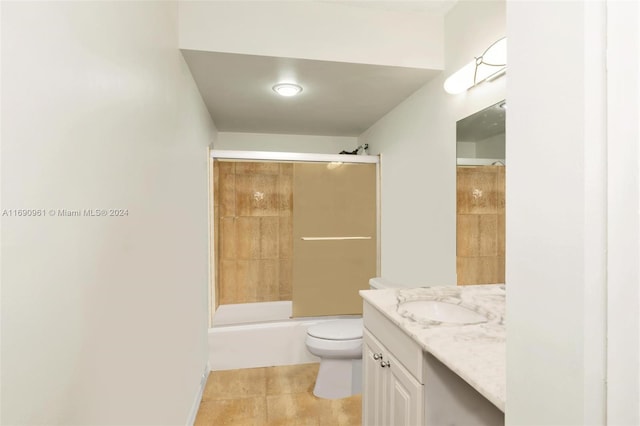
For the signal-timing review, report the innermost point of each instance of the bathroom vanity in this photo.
(434, 356)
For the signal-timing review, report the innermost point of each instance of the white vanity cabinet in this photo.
(393, 396)
(404, 385)
(393, 392)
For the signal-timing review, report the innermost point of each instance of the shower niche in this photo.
(480, 197)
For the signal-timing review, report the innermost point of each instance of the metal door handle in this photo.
(384, 364)
(377, 356)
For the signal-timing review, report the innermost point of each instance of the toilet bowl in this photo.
(338, 344)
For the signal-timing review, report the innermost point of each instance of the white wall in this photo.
(491, 147)
(623, 220)
(466, 149)
(285, 143)
(417, 141)
(104, 319)
(313, 30)
(556, 214)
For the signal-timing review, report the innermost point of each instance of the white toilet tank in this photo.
(379, 283)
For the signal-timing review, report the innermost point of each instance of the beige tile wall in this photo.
(480, 230)
(253, 205)
(216, 241)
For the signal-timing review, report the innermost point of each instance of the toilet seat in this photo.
(334, 348)
(338, 330)
(339, 339)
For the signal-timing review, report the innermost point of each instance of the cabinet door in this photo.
(405, 395)
(374, 383)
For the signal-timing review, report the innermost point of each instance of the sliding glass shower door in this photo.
(334, 237)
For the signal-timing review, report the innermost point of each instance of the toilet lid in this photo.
(345, 329)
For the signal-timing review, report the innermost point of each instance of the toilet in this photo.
(338, 344)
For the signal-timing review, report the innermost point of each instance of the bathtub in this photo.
(249, 335)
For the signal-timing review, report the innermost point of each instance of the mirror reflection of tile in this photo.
(480, 198)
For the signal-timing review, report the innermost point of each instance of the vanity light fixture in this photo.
(486, 67)
(287, 89)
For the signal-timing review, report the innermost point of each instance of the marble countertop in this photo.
(476, 352)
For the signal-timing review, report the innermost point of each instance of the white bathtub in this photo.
(249, 335)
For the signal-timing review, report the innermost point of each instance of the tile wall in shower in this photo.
(253, 206)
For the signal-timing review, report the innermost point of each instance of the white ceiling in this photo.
(338, 99)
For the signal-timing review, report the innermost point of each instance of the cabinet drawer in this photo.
(403, 347)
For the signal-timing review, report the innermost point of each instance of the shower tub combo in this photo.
(250, 331)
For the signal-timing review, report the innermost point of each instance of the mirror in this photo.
(480, 138)
(480, 196)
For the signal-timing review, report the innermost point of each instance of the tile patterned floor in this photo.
(273, 396)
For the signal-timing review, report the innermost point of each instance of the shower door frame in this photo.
(217, 154)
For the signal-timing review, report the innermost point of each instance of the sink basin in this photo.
(438, 311)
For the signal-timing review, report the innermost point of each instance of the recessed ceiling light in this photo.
(287, 89)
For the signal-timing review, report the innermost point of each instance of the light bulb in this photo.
(496, 54)
(461, 80)
(491, 65)
(287, 89)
